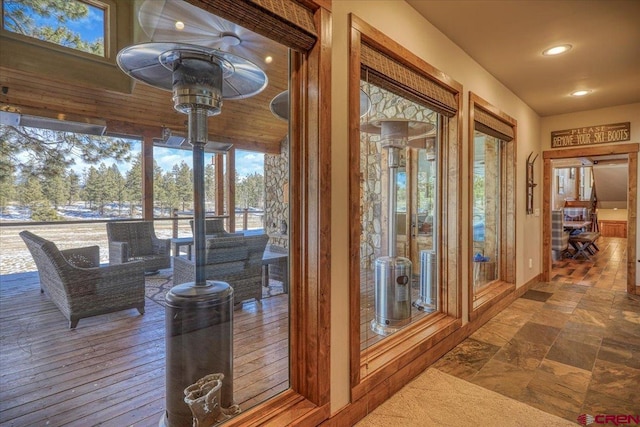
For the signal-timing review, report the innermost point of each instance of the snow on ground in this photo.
(15, 258)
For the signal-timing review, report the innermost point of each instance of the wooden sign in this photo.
(589, 135)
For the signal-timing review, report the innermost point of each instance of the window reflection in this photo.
(412, 186)
(486, 209)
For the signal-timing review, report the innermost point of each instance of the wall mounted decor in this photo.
(530, 183)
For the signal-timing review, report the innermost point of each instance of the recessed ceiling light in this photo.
(580, 93)
(179, 25)
(268, 59)
(557, 50)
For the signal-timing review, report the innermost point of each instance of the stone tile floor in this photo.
(568, 347)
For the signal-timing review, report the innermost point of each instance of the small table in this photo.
(178, 242)
(280, 258)
(576, 225)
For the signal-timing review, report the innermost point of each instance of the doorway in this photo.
(416, 227)
(631, 150)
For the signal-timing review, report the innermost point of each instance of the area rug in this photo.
(157, 285)
(435, 398)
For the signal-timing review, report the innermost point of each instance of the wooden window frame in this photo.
(400, 356)
(108, 6)
(17, 51)
(505, 284)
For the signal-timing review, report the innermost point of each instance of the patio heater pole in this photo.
(198, 132)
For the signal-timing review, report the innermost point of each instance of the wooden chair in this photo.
(136, 240)
(78, 286)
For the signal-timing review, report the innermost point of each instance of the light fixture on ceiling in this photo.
(581, 92)
(179, 25)
(557, 50)
(268, 59)
(83, 125)
(169, 139)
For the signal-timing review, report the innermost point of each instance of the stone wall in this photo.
(276, 209)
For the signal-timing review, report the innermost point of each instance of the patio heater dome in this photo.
(396, 132)
(279, 105)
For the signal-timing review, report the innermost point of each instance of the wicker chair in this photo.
(78, 286)
(136, 240)
(236, 260)
(213, 227)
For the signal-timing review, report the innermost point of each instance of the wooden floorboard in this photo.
(110, 370)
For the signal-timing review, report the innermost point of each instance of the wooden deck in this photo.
(110, 370)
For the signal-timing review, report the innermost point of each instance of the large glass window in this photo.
(399, 216)
(492, 196)
(73, 24)
(50, 175)
(404, 208)
(486, 209)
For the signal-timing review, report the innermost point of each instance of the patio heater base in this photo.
(199, 342)
(427, 301)
(392, 295)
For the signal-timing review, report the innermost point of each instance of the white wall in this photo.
(403, 24)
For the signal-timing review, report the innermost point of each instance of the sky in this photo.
(247, 162)
(90, 27)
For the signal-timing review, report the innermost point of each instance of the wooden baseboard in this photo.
(376, 394)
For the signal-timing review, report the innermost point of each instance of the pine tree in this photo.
(250, 191)
(184, 183)
(117, 186)
(91, 187)
(105, 191)
(30, 191)
(159, 187)
(46, 153)
(55, 190)
(134, 184)
(210, 185)
(7, 182)
(73, 180)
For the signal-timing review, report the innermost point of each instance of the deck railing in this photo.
(15, 258)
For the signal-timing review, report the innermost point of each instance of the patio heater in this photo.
(393, 274)
(198, 315)
(279, 105)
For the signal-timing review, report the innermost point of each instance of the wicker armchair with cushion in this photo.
(76, 283)
(236, 259)
(136, 240)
